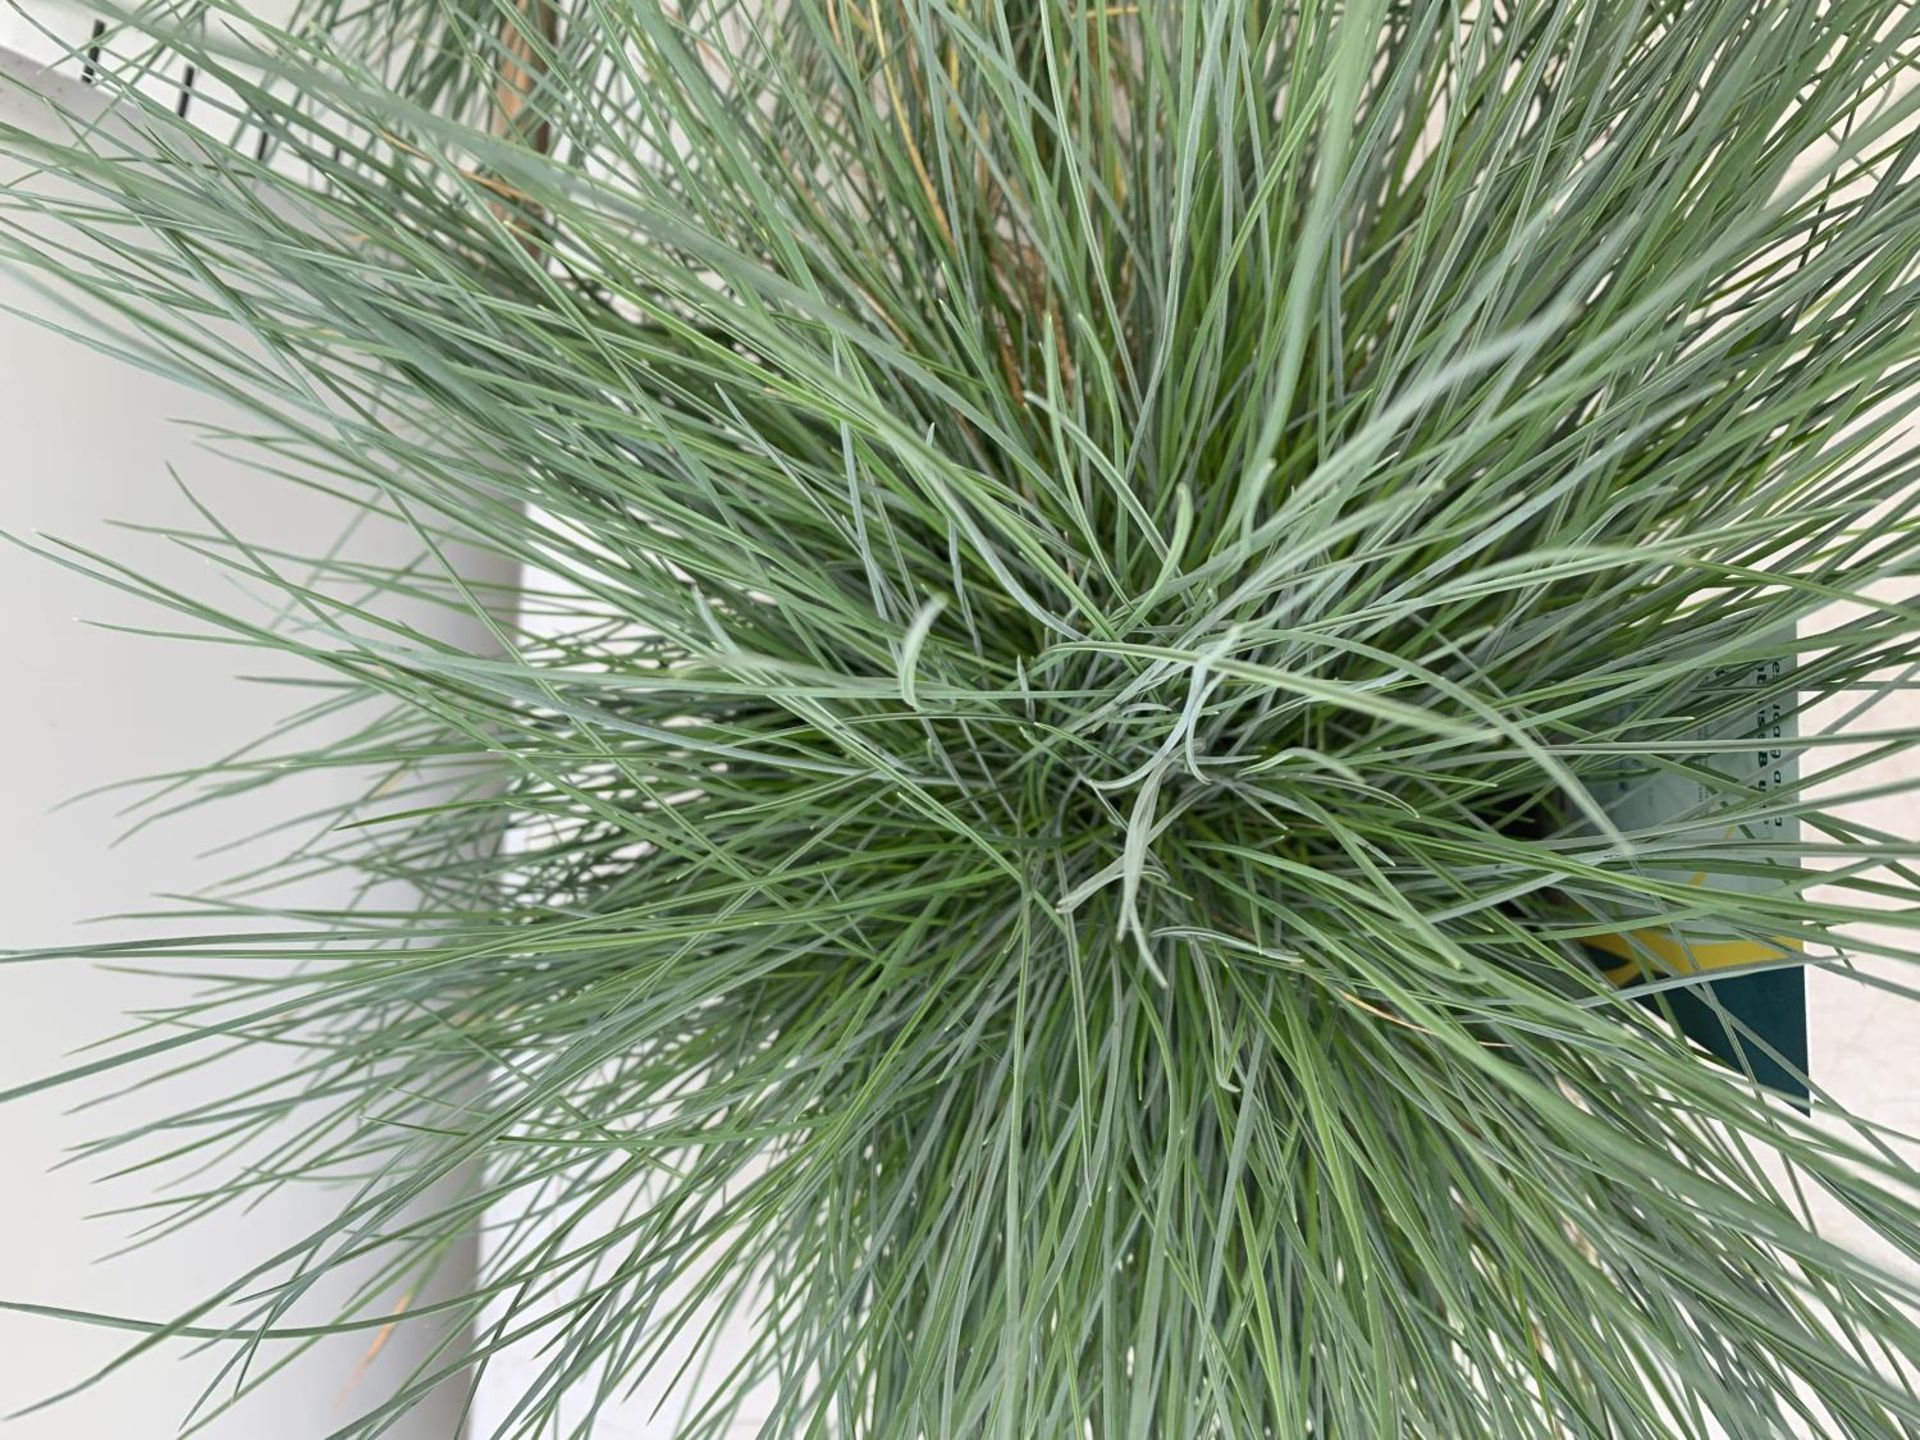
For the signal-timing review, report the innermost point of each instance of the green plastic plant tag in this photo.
(1755, 1021)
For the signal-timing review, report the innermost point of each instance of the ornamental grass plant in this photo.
(1162, 642)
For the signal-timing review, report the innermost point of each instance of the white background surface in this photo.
(85, 441)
